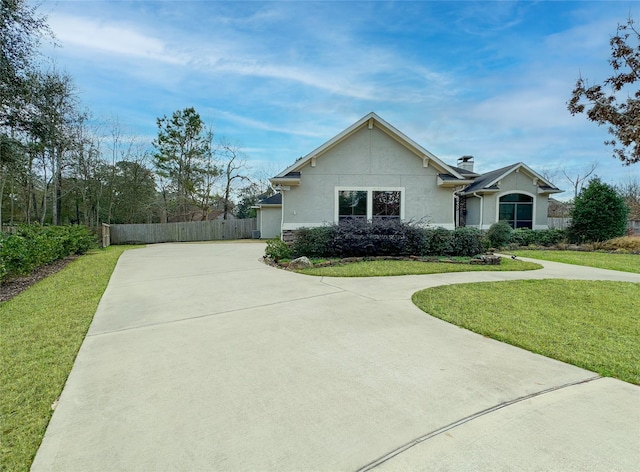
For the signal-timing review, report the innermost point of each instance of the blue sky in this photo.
(490, 79)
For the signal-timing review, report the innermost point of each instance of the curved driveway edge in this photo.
(202, 358)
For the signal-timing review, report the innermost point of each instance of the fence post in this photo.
(106, 235)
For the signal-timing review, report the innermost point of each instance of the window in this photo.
(352, 204)
(517, 210)
(386, 204)
(370, 204)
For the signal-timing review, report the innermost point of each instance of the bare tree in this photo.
(234, 169)
(630, 191)
(578, 177)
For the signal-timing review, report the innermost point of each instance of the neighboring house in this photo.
(371, 170)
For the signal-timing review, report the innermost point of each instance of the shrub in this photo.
(538, 237)
(598, 214)
(361, 238)
(467, 242)
(33, 246)
(352, 238)
(499, 234)
(314, 242)
(277, 249)
(438, 242)
(624, 243)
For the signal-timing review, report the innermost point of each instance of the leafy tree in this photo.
(598, 214)
(183, 159)
(619, 107)
(21, 29)
(55, 127)
(136, 191)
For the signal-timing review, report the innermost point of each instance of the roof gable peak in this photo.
(371, 120)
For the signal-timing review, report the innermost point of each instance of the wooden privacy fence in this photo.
(563, 223)
(183, 232)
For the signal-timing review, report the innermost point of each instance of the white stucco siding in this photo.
(473, 211)
(516, 182)
(368, 159)
(425, 201)
(269, 221)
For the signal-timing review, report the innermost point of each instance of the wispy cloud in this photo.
(109, 38)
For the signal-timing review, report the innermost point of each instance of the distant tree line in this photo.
(57, 166)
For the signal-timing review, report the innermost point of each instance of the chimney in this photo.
(466, 163)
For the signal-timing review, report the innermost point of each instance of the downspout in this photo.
(281, 215)
(475, 194)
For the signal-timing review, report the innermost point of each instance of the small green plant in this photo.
(277, 249)
(499, 234)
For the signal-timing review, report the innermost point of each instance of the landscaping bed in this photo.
(488, 259)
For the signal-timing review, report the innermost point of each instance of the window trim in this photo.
(511, 192)
(369, 190)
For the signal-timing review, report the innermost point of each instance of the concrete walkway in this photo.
(201, 358)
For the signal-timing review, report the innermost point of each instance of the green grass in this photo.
(387, 268)
(591, 324)
(602, 260)
(41, 331)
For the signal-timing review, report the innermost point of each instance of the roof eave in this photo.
(285, 181)
(451, 183)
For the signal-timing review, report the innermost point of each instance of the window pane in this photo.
(525, 211)
(386, 204)
(352, 204)
(516, 197)
(507, 211)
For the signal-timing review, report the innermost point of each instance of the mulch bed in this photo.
(11, 288)
(489, 259)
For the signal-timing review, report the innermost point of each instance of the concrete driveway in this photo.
(201, 358)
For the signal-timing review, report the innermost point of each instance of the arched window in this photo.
(517, 210)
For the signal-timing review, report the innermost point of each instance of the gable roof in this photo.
(275, 199)
(489, 181)
(370, 120)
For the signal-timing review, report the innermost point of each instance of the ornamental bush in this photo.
(499, 234)
(598, 214)
(467, 242)
(538, 237)
(33, 246)
(314, 242)
(385, 237)
(277, 249)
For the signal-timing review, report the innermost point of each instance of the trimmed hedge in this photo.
(31, 247)
(360, 238)
(538, 237)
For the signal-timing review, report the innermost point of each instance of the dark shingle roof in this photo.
(486, 179)
(464, 172)
(275, 199)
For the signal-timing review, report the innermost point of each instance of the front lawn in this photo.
(41, 331)
(389, 267)
(602, 260)
(591, 324)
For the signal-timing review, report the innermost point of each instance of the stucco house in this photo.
(372, 170)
